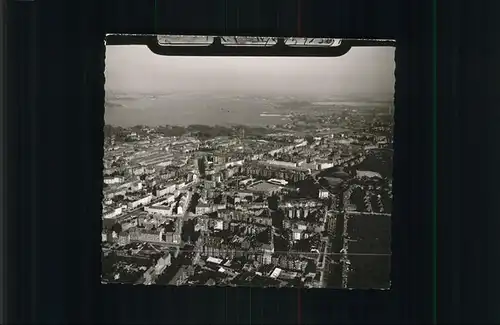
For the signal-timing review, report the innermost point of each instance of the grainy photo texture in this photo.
(248, 171)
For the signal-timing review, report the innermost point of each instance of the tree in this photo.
(202, 167)
(137, 127)
(272, 202)
(277, 218)
(117, 228)
(309, 139)
(329, 203)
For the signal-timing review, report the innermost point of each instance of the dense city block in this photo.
(306, 202)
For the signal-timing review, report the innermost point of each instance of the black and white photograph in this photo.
(248, 171)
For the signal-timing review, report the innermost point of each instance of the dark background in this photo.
(53, 113)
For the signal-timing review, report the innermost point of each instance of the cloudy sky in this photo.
(361, 72)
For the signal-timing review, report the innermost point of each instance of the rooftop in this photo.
(264, 187)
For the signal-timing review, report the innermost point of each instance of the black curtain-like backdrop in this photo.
(53, 113)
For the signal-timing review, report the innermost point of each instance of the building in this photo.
(134, 186)
(284, 164)
(275, 274)
(180, 277)
(111, 193)
(113, 180)
(164, 210)
(264, 188)
(153, 235)
(323, 194)
(138, 171)
(110, 214)
(268, 253)
(279, 182)
(297, 234)
(163, 190)
(142, 201)
(203, 208)
(367, 174)
(162, 263)
(276, 171)
(245, 182)
(149, 170)
(219, 224)
(124, 238)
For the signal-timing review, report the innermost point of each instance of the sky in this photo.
(363, 71)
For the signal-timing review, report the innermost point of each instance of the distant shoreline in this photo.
(237, 110)
(274, 115)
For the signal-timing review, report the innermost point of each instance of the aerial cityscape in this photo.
(266, 172)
